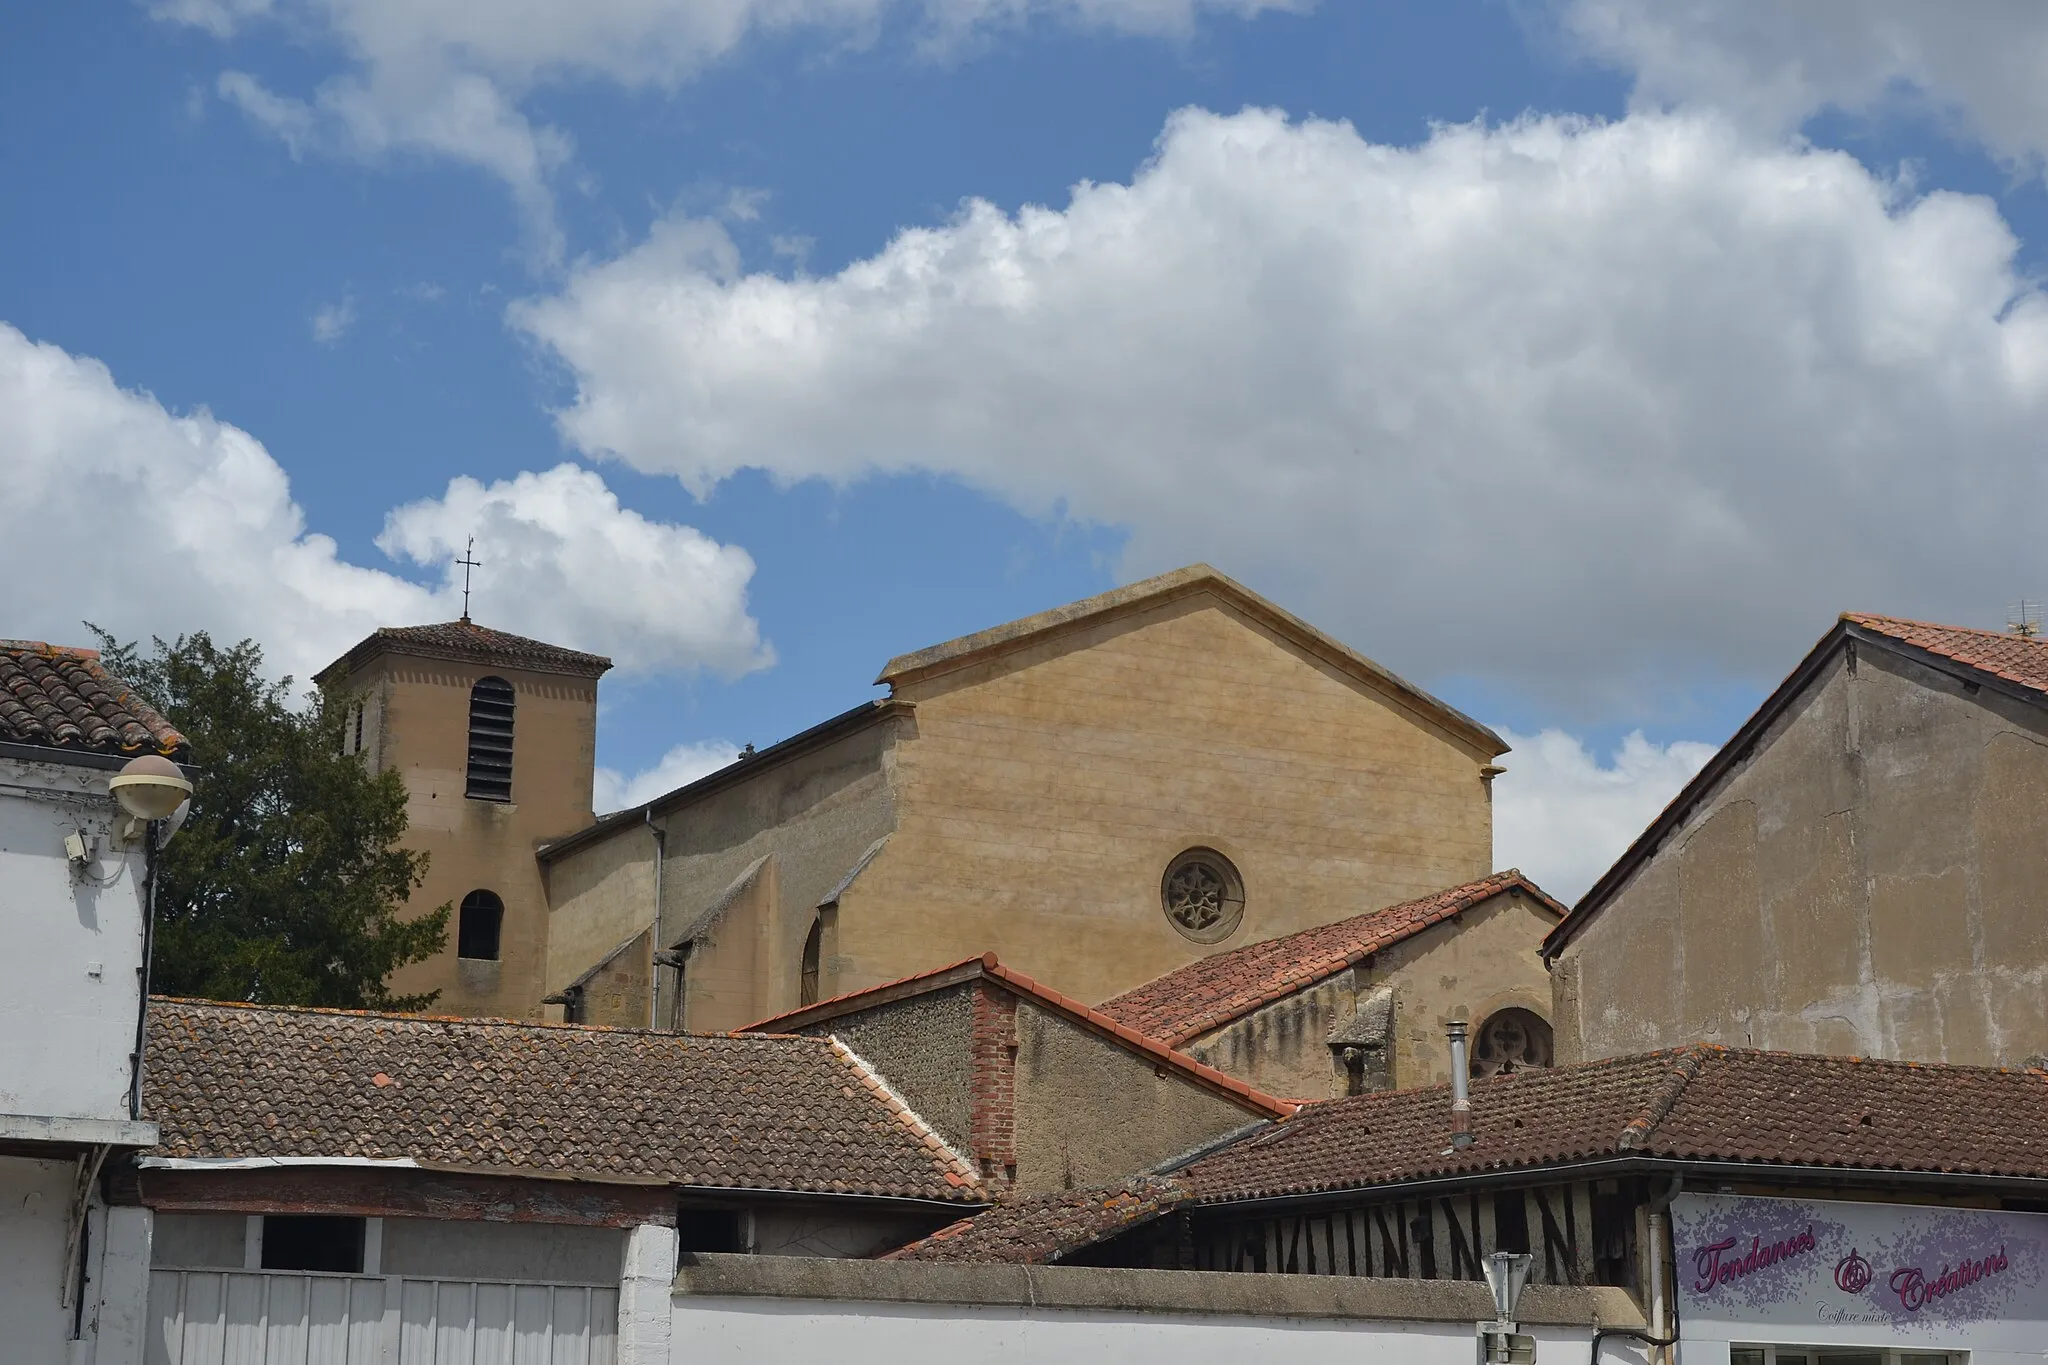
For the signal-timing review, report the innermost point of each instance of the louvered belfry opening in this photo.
(490, 740)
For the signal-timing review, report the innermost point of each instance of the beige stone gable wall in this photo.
(416, 720)
(1869, 882)
(1043, 792)
(1475, 964)
(1091, 1113)
(811, 817)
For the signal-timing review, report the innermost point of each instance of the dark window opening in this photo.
(490, 740)
(359, 727)
(477, 929)
(313, 1242)
(574, 1011)
(807, 985)
(1510, 1221)
(1614, 1239)
(710, 1230)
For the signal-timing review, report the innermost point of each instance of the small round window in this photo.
(1202, 895)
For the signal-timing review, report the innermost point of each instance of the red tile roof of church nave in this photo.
(1698, 1104)
(1185, 1004)
(550, 1100)
(988, 966)
(56, 697)
(2018, 659)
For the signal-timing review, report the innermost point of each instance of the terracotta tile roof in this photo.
(1695, 1104)
(62, 698)
(772, 1113)
(469, 642)
(987, 966)
(1042, 1228)
(1690, 1104)
(2016, 658)
(1183, 1005)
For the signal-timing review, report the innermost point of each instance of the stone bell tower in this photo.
(495, 736)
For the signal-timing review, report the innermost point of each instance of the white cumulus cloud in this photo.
(1563, 815)
(149, 522)
(1588, 406)
(613, 790)
(447, 77)
(1978, 66)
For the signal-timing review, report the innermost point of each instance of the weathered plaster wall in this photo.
(922, 1047)
(200, 1241)
(1090, 1113)
(1478, 962)
(812, 816)
(806, 1230)
(1046, 791)
(69, 979)
(540, 1252)
(417, 721)
(34, 1200)
(1869, 882)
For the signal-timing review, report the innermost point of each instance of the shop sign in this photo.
(1797, 1261)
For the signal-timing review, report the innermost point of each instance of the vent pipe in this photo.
(1461, 1087)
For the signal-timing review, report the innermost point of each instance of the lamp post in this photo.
(150, 789)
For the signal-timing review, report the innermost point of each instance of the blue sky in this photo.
(1591, 418)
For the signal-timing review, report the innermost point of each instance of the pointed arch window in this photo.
(807, 983)
(490, 741)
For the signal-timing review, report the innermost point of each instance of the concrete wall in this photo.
(1046, 791)
(69, 978)
(923, 1047)
(1476, 963)
(1090, 1113)
(1868, 882)
(416, 720)
(730, 1308)
(812, 816)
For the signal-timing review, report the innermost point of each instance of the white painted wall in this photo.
(710, 1331)
(35, 1197)
(69, 978)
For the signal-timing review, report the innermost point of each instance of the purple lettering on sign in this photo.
(1916, 1291)
(1713, 1265)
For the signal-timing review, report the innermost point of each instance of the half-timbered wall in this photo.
(1582, 1233)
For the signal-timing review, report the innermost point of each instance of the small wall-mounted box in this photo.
(78, 848)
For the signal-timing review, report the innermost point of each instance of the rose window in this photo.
(1202, 895)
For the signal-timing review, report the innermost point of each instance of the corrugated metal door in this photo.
(213, 1317)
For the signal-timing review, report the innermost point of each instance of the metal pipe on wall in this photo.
(654, 928)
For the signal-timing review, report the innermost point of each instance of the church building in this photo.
(1102, 794)
(1099, 794)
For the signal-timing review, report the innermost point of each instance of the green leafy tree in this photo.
(285, 883)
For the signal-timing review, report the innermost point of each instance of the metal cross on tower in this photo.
(468, 561)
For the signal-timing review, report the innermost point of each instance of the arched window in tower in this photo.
(478, 926)
(1510, 1040)
(814, 946)
(490, 740)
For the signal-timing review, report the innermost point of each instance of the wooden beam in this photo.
(401, 1193)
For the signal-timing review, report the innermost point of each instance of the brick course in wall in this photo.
(994, 1083)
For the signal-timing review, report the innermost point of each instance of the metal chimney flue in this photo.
(1461, 1087)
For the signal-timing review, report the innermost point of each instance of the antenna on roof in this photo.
(2024, 619)
(470, 561)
